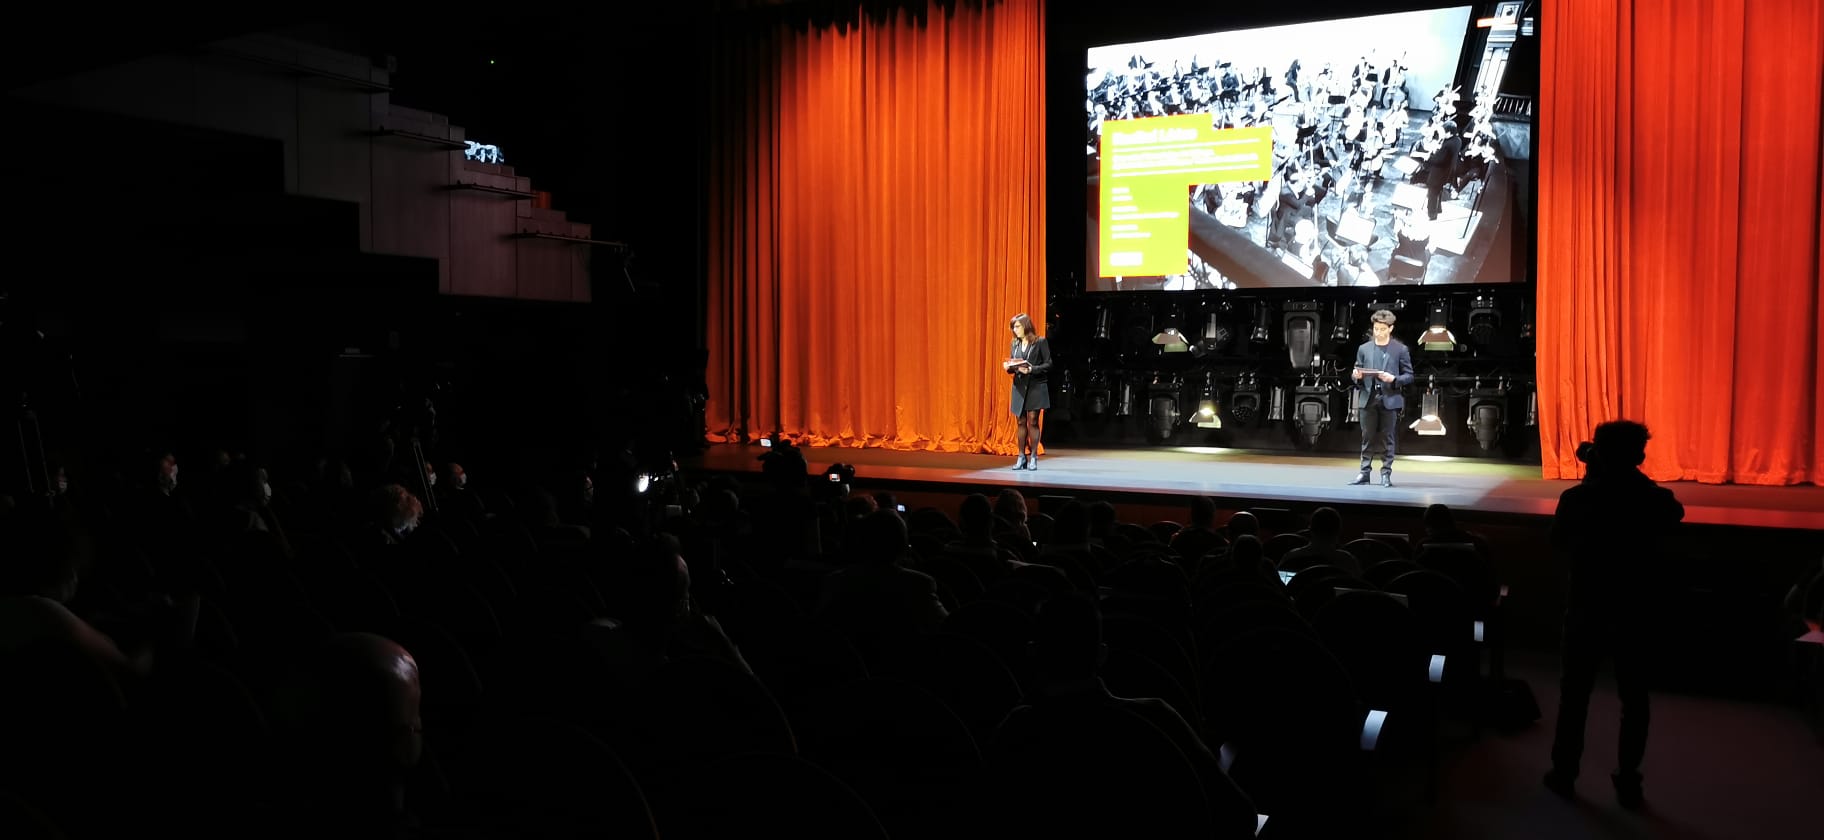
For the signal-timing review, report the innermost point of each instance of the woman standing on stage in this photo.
(1030, 364)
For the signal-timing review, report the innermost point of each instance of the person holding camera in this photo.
(1609, 526)
(1383, 366)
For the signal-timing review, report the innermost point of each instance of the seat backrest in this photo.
(1441, 606)
(962, 672)
(1380, 574)
(694, 711)
(546, 777)
(1381, 645)
(1095, 771)
(1463, 563)
(1279, 544)
(765, 795)
(1371, 552)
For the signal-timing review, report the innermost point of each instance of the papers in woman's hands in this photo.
(1010, 364)
(1368, 371)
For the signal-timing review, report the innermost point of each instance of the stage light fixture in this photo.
(1162, 409)
(1487, 414)
(1062, 406)
(1102, 347)
(1095, 397)
(1244, 402)
(1532, 407)
(1438, 336)
(1429, 422)
(1345, 316)
(1484, 319)
(1261, 333)
(1171, 340)
(1124, 404)
(1170, 333)
(1216, 336)
(1302, 330)
(1209, 411)
(1311, 411)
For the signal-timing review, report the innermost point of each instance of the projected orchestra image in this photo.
(1380, 177)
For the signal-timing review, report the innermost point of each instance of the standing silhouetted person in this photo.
(1609, 527)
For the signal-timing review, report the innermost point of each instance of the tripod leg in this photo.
(424, 484)
(31, 455)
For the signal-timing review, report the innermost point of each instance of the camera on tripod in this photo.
(412, 427)
(25, 372)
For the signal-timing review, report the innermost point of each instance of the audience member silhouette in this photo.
(1325, 546)
(350, 714)
(38, 577)
(1441, 527)
(655, 618)
(1200, 538)
(977, 549)
(1610, 526)
(877, 598)
(393, 514)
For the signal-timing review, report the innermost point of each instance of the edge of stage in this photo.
(1251, 478)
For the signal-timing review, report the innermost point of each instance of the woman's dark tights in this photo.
(1027, 436)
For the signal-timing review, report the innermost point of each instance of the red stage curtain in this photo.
(877, 214)
(1679, 222)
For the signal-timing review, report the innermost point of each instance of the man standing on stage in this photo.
(1382, 368)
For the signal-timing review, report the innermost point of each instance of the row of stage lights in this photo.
(1302, 326)
(1304, 397)
(1308, 405)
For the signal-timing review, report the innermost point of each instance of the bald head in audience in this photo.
(357, 700)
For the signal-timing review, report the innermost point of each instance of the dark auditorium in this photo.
(914, 420)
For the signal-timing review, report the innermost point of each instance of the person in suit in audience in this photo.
(875, 598)
(1610, 526)
(1383, 366)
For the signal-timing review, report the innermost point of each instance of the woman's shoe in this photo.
(1032, 461)
(1020, 464)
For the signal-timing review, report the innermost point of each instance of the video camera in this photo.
(783, 463)
(840, 474)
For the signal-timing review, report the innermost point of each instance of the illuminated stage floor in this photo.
(1267, 477)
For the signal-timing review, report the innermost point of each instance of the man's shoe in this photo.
(1360, 479)
(1386, 479)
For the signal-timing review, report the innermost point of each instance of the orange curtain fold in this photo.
(876, 215)
(1679, 219)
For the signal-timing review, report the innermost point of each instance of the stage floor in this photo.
(1265, 477)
